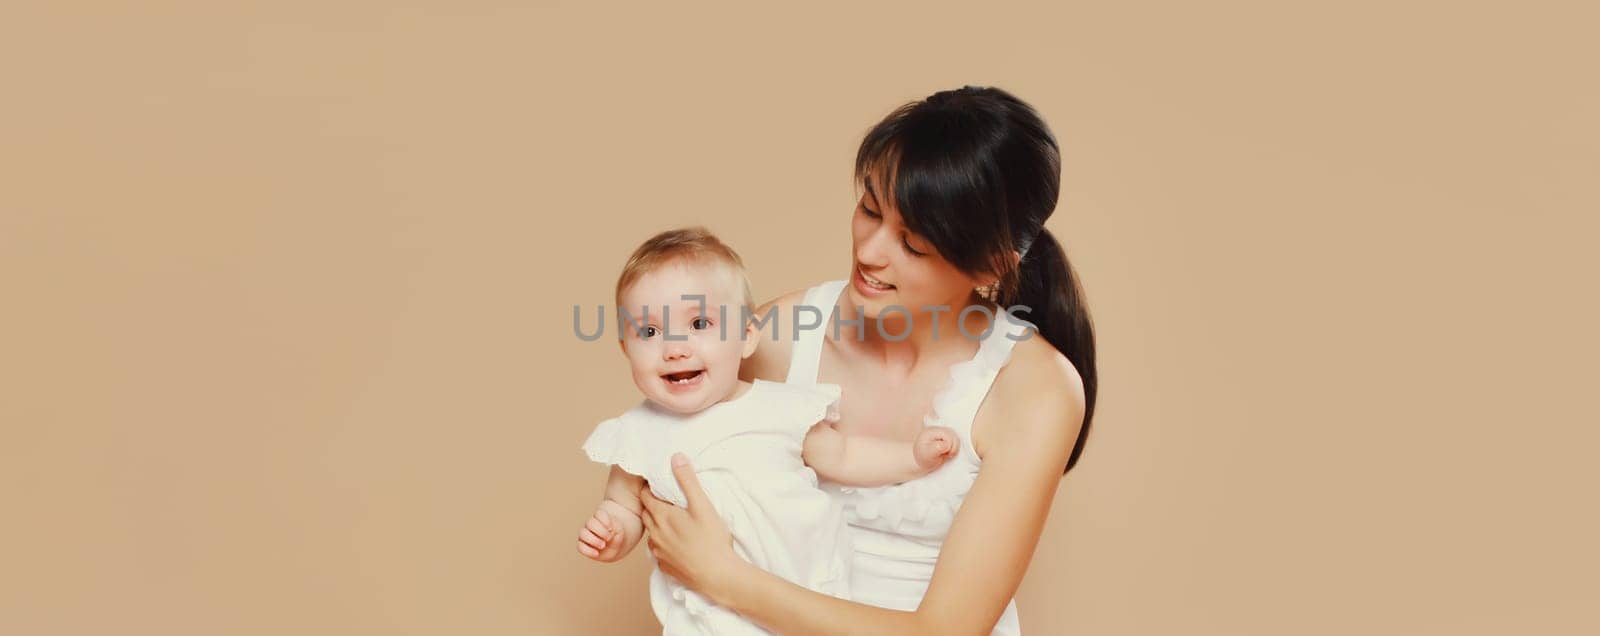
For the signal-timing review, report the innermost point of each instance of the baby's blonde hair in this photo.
(690, 244)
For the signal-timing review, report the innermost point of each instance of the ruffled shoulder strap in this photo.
(605, 443)
(969, 381)
(814, 402)
(797, 406)
(625, 441)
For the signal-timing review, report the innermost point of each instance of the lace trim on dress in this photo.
(932, 500)
(608, 445)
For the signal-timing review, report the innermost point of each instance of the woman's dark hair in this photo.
(976, 172)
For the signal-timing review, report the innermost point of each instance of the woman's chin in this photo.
(873, 309)
(869, 307)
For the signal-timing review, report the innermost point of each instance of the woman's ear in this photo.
(990, 280)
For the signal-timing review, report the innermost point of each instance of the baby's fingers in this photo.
(598, 526)
(592, 539)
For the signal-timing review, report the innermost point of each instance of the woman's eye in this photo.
(701, 323)
(868, 211)
(909, 248)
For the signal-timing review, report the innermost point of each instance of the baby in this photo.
(757, 448)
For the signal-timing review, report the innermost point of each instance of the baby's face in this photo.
(699, 365)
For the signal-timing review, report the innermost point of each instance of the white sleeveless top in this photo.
(899, 529)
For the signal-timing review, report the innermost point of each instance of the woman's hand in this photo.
(694, 545)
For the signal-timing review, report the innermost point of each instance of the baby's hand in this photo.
(601, 538)
(934, 446)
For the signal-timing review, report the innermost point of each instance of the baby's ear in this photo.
(752, 337)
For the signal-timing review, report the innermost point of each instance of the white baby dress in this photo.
(746, 453)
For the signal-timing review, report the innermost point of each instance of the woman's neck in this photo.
(903, 338)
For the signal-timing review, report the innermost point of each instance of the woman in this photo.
(956, 190)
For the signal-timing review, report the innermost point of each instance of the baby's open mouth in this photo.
(683, 377)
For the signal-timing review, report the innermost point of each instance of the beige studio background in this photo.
(287, 294)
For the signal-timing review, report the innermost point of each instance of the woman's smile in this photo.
(869, 286)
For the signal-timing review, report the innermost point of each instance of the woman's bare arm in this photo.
(982, 561)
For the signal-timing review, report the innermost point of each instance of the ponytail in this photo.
(1050, 290)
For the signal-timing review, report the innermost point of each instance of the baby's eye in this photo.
(701, 323)
(647, 331)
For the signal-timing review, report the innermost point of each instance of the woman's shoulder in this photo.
(775, 340)
(1038, 396)
(1034, 357)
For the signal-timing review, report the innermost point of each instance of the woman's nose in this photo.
(872, 250)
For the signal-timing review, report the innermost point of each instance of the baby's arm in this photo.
(856, 460)
(615, 527)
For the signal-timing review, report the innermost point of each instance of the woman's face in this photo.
(893, 267)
